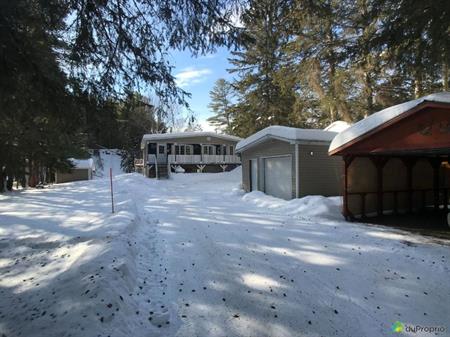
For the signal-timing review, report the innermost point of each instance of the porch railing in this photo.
(160, 159)
(413, 200)
(203, 159)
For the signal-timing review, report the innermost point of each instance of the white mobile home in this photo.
(188, 151)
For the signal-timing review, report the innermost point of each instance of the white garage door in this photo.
(278, 177)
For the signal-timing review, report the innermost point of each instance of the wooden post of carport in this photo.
(346, 212)
(436, 164)
(446, 191)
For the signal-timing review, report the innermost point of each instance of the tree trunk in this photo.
(2, 180)
(332, 113)
(9, 183)
(418, 85)
(445, 74)
(369, 93)
(418, 73)
(32, 181)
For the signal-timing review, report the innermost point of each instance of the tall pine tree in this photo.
(316, 57)
(221, 106)
(261, 98)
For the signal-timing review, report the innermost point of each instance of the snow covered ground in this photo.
(194, 256)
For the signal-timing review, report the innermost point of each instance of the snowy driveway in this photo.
(270, 274)
(196, 258)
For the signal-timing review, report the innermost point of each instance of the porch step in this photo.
(162, 172)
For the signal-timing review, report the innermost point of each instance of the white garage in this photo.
(290, 163)
(278, 176)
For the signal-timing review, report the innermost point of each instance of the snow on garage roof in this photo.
(379, 118)
(287, 134)
(161, 136)
(83, 163)
(338, 126)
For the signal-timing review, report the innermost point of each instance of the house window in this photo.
(152, 148)
(208, 150)
(188, 150)
(179, 149)
(197, 149)
(231, 150)
(224, 149)
(161, 149)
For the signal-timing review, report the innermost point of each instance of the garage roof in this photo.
(338, 126)
(379, 118)
(287, 134)
(83, 163)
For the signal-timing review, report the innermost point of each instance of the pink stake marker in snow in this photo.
(112, 193)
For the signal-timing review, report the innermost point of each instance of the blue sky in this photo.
(197, 76)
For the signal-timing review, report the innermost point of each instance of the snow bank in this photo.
(309, 207)
(224, 179)
(179, 169)
(229, 184)
(67, 264)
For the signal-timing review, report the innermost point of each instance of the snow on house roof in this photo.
(338, 126)
(161, 136)
(287, 134)
(83, 163)
(381, 117)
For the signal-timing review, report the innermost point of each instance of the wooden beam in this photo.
(436, 164)
(345, 211)
(446, 200)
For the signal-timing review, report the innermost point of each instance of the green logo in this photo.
(397, 327)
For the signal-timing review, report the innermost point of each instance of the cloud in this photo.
(191, 75)
(206, 126)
